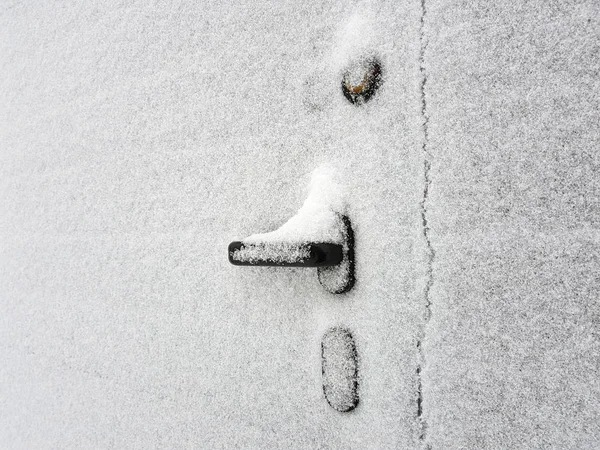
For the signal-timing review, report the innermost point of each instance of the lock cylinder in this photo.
(361, 80)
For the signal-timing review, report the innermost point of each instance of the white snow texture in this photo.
(138, 139)
(318, 219)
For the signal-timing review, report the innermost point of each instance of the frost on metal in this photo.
(341, 278)
(277, 252)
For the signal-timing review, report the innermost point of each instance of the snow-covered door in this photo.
(138, 140)
(285, 117)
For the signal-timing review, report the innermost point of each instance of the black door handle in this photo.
(334, 260)
(311, 254)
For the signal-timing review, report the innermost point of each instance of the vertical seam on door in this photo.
(430, 253)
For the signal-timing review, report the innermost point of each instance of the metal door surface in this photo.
(139, 141)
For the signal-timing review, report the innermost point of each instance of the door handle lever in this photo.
(334, 260)
(319, 235)
(310, 254)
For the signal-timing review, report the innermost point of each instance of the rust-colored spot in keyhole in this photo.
(359, 88)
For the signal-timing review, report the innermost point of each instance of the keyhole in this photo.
(361, 80)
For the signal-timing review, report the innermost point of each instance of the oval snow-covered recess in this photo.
(340, 369)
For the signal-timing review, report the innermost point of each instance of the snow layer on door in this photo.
(512, 348)
(137, 141)
(318, 219)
